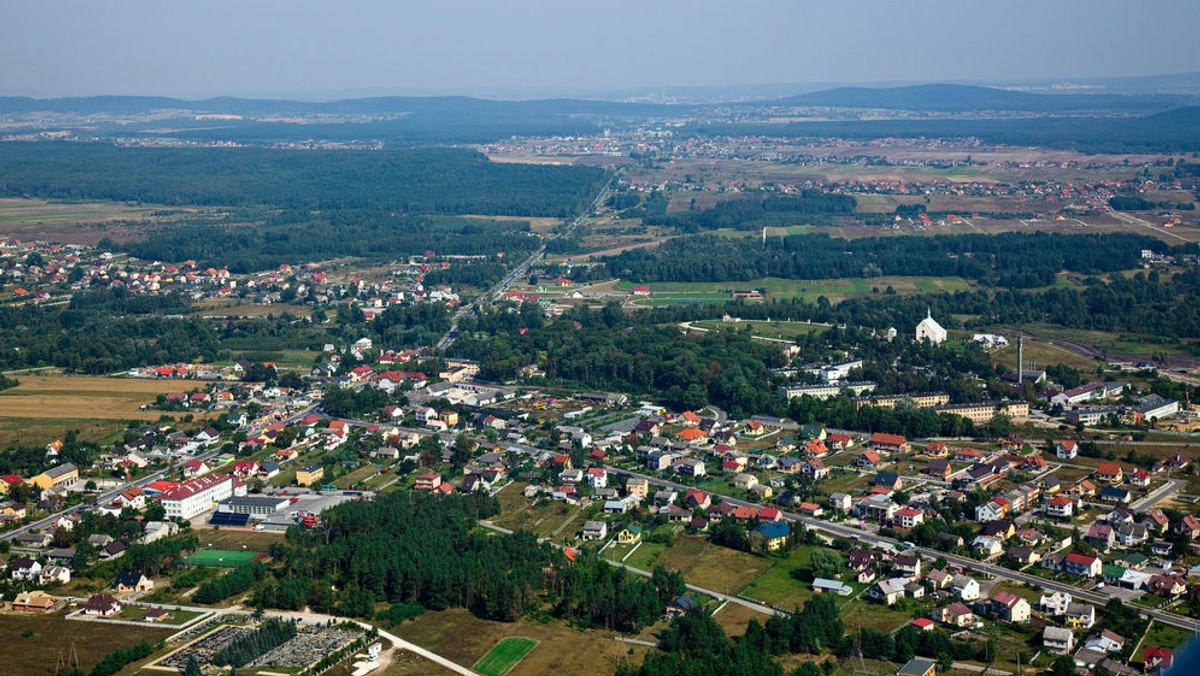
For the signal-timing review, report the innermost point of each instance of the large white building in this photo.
(197, 496)
(930, 330)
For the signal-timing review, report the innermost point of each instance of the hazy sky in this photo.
(323, 48)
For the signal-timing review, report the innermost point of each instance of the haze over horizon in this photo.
(324, 50)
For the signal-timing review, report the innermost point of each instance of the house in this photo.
(774, 534)
(888, 591)
(1055, 603)
(1083, 565)
(130, 581)
(1157, 660)
(158, 614)
(1106, 641)
(923, 624)
(102, 605)
(908, 565)
(908, 517)
(1167, 586)
(815, 468)
(965, 588)
(1100, 535)
(680, 606)
(638, 486)
(630, 534)
(1009, 607)
(1060, 506)
(888, 480)
(918, 666)
(745, 481)
(428, 481)
(824, 586)
(55, 575)
(194, 468)
(840, 502)
(34, 602)
(889, 443)
(1066, 449)
(811, 509)
(868, 459)
(939, 468)
(309, 475)
(1058, 640)
(25, 569)
(1114, 494)
(956, 614)
(1132, 534)
(595, 530)
(987, 546)
(697, 499)
(1189, 526)
(860, 559)
(1110, 472)
(664, 497)
(1080, 615)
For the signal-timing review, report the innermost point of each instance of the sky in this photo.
(330, 48)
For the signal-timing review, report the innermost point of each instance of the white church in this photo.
(930, 330)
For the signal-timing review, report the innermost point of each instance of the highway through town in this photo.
(521, 270)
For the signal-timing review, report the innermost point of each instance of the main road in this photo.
(520, 271)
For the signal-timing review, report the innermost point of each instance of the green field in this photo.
(507, 653)
(218, 558)
(783, 330)
(836, 290)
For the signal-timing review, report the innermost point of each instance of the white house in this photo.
(966, 588)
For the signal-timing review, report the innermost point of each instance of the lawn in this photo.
(34, 643)
(520, 513)
(782, 330)
(733, 618)
(238, 540)
(507, 653)
(219, 558)
(703, 564)
(862, 613)
(665, 293)
(1165, 636)
(459, 636)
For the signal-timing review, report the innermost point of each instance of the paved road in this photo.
(494, 293)
(854, 533)
(1158, 495)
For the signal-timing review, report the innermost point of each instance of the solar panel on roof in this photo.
(229, 519)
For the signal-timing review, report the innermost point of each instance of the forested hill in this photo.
(425, 180)
(951, 98)
(1013, 260)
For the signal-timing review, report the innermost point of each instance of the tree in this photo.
(1063, 666)
(826, 563)
(193, 667)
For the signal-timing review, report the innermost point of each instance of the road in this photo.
(140, 483)
(853, 533)
(1157, 495)
(520, 271)
(758, 607)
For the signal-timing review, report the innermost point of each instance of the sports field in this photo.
(218, 558)
(502, 658)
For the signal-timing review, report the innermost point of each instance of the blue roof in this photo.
(1116, 492)
(774, 529)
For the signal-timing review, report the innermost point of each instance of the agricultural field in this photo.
(43, 407)
(226, 307)
(78, 222)
(706, 565)
(836, 290)
(506, 655)
(764, 329)
(34, 643)
(459, 636)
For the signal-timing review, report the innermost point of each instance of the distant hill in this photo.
(383, 105)
(952, 98)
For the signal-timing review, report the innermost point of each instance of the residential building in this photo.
(1058, 640)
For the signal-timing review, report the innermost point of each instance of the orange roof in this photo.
(1109, 469)
(691, 434)
(745, 513)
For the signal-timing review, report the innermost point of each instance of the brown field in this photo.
(229, 307)
(734, 617)
(78, 222)
(38, 431)
(706, 565)
(33, 643)
(82, 397)
(237, 540)
(463, 638)
(538, 224)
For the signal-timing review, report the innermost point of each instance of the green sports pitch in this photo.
(504, 656)
(218, 558)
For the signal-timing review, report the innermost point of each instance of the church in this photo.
(930, 330)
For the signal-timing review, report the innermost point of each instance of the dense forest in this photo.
(406, 548)
(751, 213)
(424, 181)
(1171, 131)
(299, 236)
(1011, 260)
